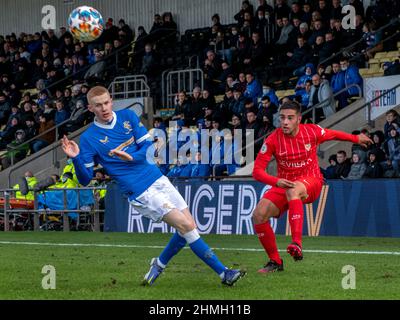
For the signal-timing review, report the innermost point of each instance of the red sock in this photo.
(267, 238)
(296, 216)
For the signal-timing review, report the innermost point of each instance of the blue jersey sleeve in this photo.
(84, 162)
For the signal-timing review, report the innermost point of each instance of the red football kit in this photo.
(297, 160)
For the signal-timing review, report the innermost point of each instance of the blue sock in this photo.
(204, 252)
(173, 247)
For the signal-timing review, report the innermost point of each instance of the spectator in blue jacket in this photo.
(253, 89)
(337, 84)
(222, 160)
(197, 169)
(61, 115)
(177, 169)
(268, 91)
(304, 95)
(351, 76)
(309, 72)
(238, 102)
(337, 80)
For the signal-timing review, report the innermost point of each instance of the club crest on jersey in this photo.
(264, 148)
(105, 141)
(128, 127)
(308, 147)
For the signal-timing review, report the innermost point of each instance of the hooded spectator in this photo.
(393, 146)
(329, 172)
(357, 168)
(374, 169)
(309, 72)
(377, 147)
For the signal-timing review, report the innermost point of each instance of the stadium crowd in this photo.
(380, 160)
(241, 61)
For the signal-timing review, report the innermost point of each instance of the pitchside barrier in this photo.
(345, 208)
(52, 210)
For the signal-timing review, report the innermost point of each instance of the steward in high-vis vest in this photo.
(31, 181)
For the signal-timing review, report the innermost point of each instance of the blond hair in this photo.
(96, 91)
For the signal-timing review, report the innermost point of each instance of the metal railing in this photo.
(355, 44)
(367, 105)
(54, 147)
(332, 100)
(135, 86)
(174, 82)
(34, 214)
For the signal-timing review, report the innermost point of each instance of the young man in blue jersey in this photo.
(119, 142)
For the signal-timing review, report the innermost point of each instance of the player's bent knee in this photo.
(187, 213)
(179, 221)
(264, 210)
(185, 225)
(293, 193)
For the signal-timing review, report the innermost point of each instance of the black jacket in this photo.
(374, 170)
(342, 169)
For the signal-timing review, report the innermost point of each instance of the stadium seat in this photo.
(392, 54)
(289, 92)
(380, 55)
(280, 93)
(278, 85)
(377, 74)
(373, 60)
(374, 66)
(219, 99)
(33, 92)
(363, 71)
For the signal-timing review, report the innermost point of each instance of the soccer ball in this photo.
(86, 24)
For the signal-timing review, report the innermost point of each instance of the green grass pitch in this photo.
(115, 271)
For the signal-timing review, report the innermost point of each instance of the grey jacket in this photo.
(357, 171)
(284, 37)
(324, 93)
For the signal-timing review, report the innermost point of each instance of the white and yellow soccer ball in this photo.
(86, 24)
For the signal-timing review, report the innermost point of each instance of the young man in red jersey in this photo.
(299, 178)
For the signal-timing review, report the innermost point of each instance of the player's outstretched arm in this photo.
(329, 135)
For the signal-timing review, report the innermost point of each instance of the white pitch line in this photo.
(162, 247)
